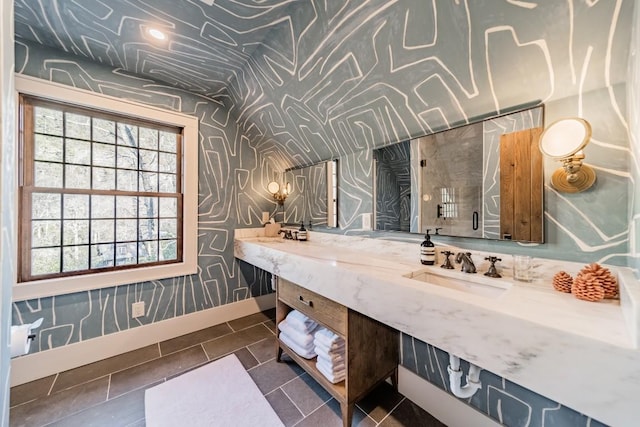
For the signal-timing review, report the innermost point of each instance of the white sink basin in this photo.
(486, 287)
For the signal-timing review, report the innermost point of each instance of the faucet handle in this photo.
(492, 271)
(493, 259)
(447, 261)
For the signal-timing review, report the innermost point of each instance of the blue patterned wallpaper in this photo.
(633, 94)
(308, 199)
(393, 187)
(229, 176)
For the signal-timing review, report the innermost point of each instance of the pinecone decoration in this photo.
(562, 282)
(607, 280)
(587, 287)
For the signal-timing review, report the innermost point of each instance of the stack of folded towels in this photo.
(296, 331)
(330, 350)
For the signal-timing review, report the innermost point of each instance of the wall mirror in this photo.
(314, 195)
(482, 180)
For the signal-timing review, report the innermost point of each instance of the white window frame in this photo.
(62, 285)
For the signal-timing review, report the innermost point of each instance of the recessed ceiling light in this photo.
(157, 34)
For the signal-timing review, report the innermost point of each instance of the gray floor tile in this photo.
(306, 393)
(229, 343)
(253, 319)
(246, 358)
(271, 324)
(194, 338)
(410, 414)
(31, 390)
(380, 401)
(104, 367)
(329, 415)
(155, 370)
(284, 407)
(272, 375)
(59, 405)
(121, 411)
(264, 349)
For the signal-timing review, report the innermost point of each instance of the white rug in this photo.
(220, 393)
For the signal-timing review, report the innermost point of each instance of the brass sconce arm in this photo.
(279, 192)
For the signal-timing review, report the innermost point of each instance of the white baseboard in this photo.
(446, 408)
(44, 363)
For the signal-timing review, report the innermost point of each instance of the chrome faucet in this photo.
(464, 258)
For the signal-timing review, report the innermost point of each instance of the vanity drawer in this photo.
(321, 309)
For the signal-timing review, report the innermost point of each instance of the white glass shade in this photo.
(273, 187)
(565, 137)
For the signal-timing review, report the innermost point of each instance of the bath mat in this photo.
(219, 394)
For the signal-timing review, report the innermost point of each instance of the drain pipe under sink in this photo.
(455, 377)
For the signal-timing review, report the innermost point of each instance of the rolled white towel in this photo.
(302, 327)
(307, 354)
(328, 338)
(329, 367)
(335, 349)
(295, 314)
(334, 378)
(303, 340)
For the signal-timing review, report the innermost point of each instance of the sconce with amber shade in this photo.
(280, 193)
(564, 141)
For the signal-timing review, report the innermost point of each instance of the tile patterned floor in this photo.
(111, 392)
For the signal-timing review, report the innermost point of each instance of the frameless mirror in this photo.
(314, 195)
(480, 180)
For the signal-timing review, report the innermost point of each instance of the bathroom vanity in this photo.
(583, 355)
(371, 348)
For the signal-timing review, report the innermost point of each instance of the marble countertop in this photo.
(584, 355)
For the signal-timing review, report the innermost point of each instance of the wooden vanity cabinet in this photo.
(371, 348)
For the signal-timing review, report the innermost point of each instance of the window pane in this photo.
(168, 142)
(127, 135)
(104, 130)
(45, 233)
(104, 179)
(167, 162)
(46, 206)
(76, 206)
(45, 261)
(126, 230)
(167, 183)
(149, 138)
(48, 175)
(148, 207)
(75, 258)
(102, 231)
(148, 181)
(148, 160)
(76, 232)
(77, 176)
(102, 206)
(101, 256)
(148, 229)
(48, 121)
(127, 180)
(126, 253)
(147, 252)
(126, 206)
(127, 158)
(168, 228)
(168, 250)
(48, 148)
(78, 152)
(104, 155)
(78, 126)
(168, 207)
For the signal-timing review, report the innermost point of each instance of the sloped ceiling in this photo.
(310, 80)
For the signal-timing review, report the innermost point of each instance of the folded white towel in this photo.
(332, 358)
(303, 340)
(329, 367)
(307, 354)
(303, 327)
(328, 338)
(335, 349)
(334, 378)
(295, 314)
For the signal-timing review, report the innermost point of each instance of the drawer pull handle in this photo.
(307, 303)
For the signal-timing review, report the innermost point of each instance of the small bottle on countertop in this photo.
(427, 251)
(302, 232)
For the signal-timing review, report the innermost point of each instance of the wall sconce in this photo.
(279, 193)
(564, 140)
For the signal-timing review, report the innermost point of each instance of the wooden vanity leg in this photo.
(394, 379)
(347, 413)
(278, 353)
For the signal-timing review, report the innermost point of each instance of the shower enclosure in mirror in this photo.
(314, 195)
(480, 180)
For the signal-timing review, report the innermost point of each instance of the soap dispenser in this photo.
(427, 251)
(302, 232)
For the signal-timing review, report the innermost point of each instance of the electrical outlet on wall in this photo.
(366, 221)
(137, 309)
